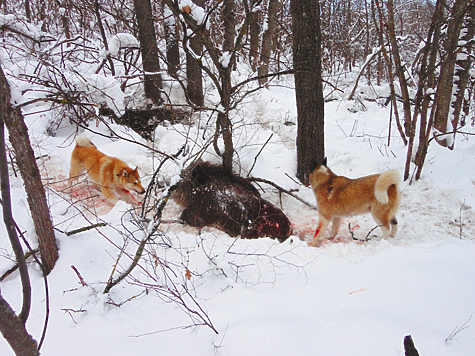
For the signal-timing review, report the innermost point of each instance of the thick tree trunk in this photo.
(268, 41)
(194, 73)
(149, 50)
(171, 37)
(229, 23)
(30, 174)
(104, 38)
(308, 84)
(446, 79)
(399, 69)
(462, 71)
(426, 83)
(13, 330)
(254, 33)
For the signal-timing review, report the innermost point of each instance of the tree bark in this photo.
(103, 35)
(308, 84)
(462, 71)
(268, 41)
(30, 174)
(229, 23)
(149, 50)
(13, 330)
(426, 81)
(171, 38)
(194, 73)
(446, 78)
(254, 33)
(399, 69)
(8, 218)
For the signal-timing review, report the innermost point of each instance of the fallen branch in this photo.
(15, 266)
(85, 228)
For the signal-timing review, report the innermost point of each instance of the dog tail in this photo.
(83, 141)
(384, 181)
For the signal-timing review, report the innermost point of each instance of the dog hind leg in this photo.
(75, 171)
(393, 223)
(383, 222)
(335, 226)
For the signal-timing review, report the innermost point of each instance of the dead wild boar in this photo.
(214, 197)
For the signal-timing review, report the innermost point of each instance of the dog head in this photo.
(130, 180)
(319, 174)
(315, 166)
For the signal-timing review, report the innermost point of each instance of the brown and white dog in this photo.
(338, 197)
(113, 175)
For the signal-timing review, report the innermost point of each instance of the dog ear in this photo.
(124, 173)
(324, 162)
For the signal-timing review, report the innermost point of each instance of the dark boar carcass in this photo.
(214, 197)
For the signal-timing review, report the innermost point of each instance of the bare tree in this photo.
(12, 326)
(194, 73)
(268, 41)
(443, 84)
(462, 71)
(400, 72)
(149, 50)
(229, 21)
(443, 98)
(13, 330)
(221, 77)
(254, 35)
(308, 84)
(26, 162)
(171, 38)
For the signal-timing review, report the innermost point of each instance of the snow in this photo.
(264, 298)
(197, 12)
(121, 40)
(224, 59)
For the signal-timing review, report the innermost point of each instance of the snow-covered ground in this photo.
(263, 298)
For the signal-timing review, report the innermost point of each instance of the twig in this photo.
(366, 238)
(165, 330)
(258, 153)
(111, 302)
(79, 276)
(12, 269)
(74, 311)
(282, 190)
(458, 330)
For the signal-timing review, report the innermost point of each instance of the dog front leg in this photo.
(321, 228)
(109, 194)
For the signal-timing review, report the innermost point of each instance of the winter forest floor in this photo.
(346, 297)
